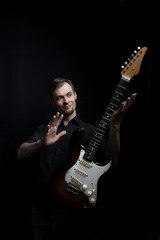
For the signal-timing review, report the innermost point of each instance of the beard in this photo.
(67, 112)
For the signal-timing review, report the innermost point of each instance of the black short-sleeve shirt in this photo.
(52, 158)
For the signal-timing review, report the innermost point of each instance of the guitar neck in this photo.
(104, 122)
(131, 69)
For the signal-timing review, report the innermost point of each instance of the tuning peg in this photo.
(132, 56)
(138, 48)
(125, 63)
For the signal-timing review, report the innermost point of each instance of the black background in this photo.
(87, 43)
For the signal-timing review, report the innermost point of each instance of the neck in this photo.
(68, 118)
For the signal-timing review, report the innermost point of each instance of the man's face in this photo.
(64, 98)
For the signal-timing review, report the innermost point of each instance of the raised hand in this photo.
(51, 135)
(117, 116)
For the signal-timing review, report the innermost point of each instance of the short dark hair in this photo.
(57, 82)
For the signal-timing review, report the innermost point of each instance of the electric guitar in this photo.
(76, 184)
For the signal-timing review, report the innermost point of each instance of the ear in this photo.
(75, 95)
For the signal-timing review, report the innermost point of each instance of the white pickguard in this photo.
(84, 175)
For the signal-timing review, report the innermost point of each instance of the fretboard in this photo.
(103, 126)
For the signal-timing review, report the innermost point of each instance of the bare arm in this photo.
(27, 150)
(50, 136)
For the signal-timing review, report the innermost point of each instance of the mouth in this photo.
(67, 107)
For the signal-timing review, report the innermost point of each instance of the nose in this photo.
(65, 100)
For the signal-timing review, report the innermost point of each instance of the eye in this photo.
(69, 94)
(59, 98)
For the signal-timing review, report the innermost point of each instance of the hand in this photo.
(117, 116)
(51, 135)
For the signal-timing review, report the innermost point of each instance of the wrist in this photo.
(115, 127)
(40, 143)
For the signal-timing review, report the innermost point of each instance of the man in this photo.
(51, 144)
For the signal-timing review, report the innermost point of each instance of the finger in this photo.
(54, 119)
(133, 96)
(61, 134)
(131, 99)
(122, 107)
(60, 119)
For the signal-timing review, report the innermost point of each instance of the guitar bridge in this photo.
(72, 188)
